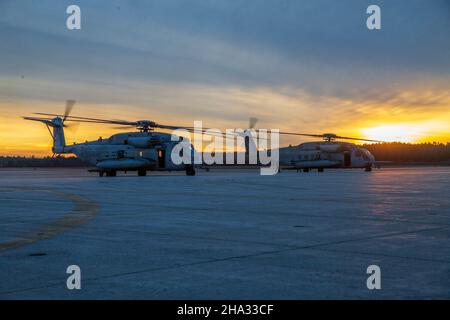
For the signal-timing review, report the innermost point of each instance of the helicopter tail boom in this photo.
(59, 141)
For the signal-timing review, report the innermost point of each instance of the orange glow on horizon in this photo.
(391, 121)
(34, 139)
(394, 133)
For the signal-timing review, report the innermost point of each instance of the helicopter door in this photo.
(347, 159)
(161, 158)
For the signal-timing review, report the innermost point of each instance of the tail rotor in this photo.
(69, 107)
(58, 125)
(252, 122)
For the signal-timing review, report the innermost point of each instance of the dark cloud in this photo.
(321, 47)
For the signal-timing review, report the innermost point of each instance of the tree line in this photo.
(410, 152)
(18, 161)
(387, 151)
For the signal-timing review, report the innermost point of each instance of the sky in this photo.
(305, 66)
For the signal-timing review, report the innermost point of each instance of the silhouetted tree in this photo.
(409, 152)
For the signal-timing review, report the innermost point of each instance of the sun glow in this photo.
(394, 133)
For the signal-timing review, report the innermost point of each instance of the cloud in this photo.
(316, 45)
(296, 65)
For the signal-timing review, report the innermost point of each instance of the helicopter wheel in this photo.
(190, 171)
(368, 169)
(306, 170)
(101, 173)
(142, 172)
(320, 170)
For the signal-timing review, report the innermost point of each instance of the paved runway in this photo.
(225, 234)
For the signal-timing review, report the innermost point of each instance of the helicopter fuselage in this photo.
(129, 151)
(325, 154)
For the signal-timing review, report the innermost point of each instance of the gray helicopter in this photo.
(326, 154)
(319, 155)
(142, 151)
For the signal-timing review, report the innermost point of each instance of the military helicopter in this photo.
(326, 154)
(148, 150)
(319, 154)
(141, 151)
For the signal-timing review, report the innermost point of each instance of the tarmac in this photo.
(225, 234)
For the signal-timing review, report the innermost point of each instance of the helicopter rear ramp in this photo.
(229, 234)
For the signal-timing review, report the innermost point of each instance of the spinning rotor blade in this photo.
(73, 128)
(69, 107)
(67, 111)
(48, 121)
(252, 122)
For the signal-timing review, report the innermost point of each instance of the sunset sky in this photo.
(306, 66)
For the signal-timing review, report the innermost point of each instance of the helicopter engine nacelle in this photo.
(330, 147)
(140, 142)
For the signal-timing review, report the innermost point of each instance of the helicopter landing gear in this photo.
(306, 170)
(142, 172)
(190, 171)
(368, 169)
(320, 170)
(101, 173)
(111, 173)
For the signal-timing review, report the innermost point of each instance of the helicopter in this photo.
(141, 151)
(327, 154)
(319, 155)
(149, 150)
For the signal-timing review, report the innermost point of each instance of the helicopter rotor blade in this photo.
(68, 117)
(36, 119)
(325, 136)
(122, 127)
(43, 120)
(167, 127)
(92, 121)
(302, 134)
(358, 139)
(85, 119)
(226, 135)
(69, 107)
(119, 122)
(252, 122)
(214, 134)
